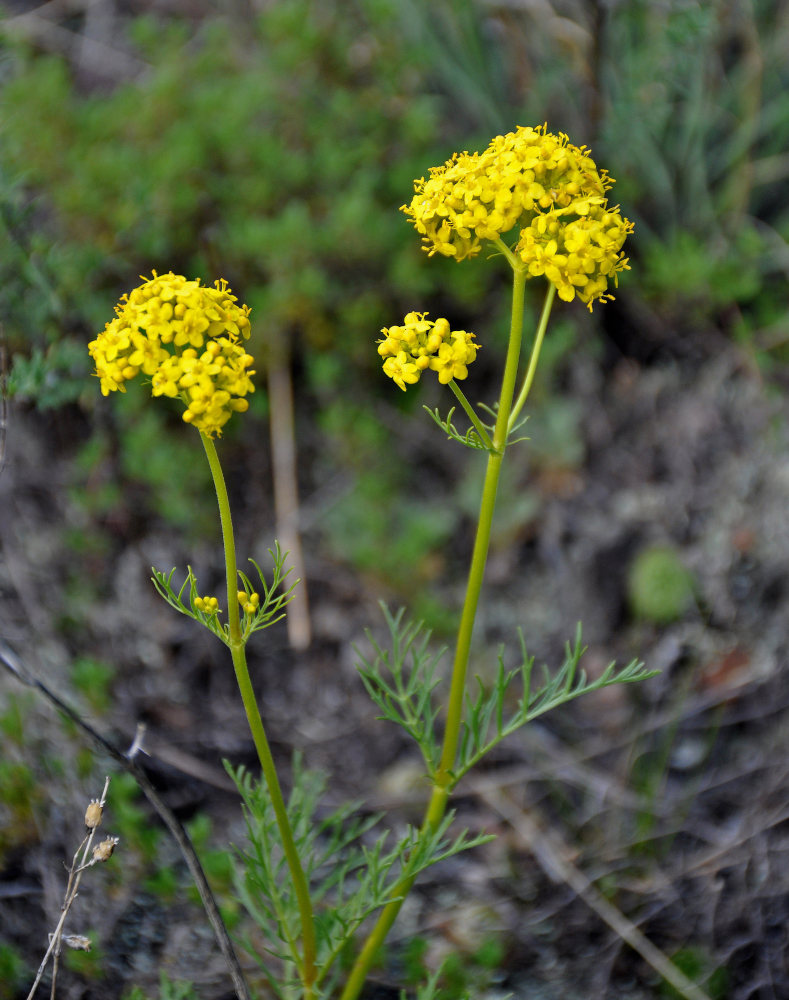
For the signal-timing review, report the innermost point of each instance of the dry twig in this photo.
(552, 858)
(78, 866)
(286, 494)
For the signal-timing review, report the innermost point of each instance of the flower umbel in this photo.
(421, 343)
(578, 256)
(541, 183)
(188, 339)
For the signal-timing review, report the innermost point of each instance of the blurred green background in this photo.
(273, 147)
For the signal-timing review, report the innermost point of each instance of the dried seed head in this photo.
(77, 941)
(103, 851)
(93, 814)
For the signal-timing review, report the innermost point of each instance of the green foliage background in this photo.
(275, 150)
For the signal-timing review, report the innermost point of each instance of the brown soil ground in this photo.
(669, 797)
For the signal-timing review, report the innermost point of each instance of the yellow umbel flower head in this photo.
(421, 343)
(188, 339)
(579, 256)
(541, 183)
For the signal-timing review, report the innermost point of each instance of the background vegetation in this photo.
(273, 146)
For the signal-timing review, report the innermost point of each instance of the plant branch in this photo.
(471, 414)
(535, 355)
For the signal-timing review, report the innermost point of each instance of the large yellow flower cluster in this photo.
(421, 343)
(541, 183)
(188, 339)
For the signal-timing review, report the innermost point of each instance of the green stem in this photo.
(535, 354)
(514, 262)
(469, 409)
(443, 780)
(307, 968)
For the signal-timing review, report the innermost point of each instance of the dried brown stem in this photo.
(286, 492)
(72, 888)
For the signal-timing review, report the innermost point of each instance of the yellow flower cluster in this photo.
(578, 256)
(188, 339)
(250, 603)
(540, 182)
(208, 605)
(421, 343)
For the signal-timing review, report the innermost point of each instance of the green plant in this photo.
(311, 880)
(458, 977)
(698, 965)
(131, 819)
(169, 989)
(19, 787)
(660, 589)
(218, 865)
(13, 972)
(93, 679)
(13, 718)
(413, 959)
(469, 975)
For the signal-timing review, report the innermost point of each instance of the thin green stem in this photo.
(469, 409)
(231, 569)
(443, 778)
(513, 261)
(535, 355)
(307, 967)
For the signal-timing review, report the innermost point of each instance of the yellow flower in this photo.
(541, 183)
(449, 364)
(208, 605)
(421, 343)
(250, 603)
(580, 256)
(187, 338)
(401, 370)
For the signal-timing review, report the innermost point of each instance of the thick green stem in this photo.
(307, 967)
(480, 554)
(443, 779)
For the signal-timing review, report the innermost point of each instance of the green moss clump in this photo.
(659, 587)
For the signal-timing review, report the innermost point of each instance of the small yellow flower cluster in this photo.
(540, 182)
(188, 339)
(578, 257)
(208, 605)
(249, 602)
(421, 343)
